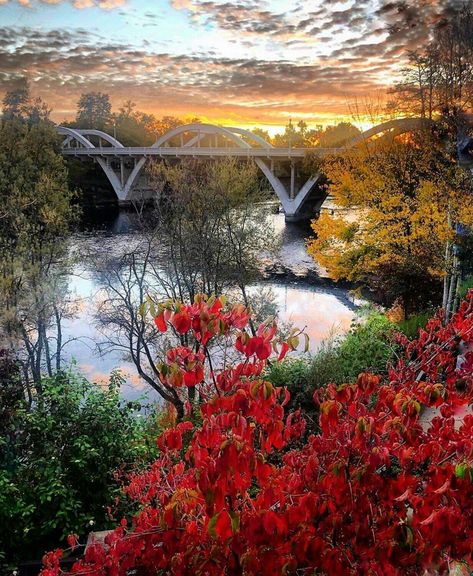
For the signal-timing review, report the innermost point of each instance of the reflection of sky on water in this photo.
(322, 312)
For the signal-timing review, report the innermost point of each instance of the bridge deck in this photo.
(276, 153)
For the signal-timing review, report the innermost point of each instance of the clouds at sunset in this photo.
(248, 61)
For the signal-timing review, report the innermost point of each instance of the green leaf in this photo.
(235, 520)
(460, 471)
(212, 523)
(307, 340)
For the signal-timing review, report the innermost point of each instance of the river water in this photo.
(322, 309)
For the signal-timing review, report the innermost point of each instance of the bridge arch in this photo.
(72, 134)
(80, 137)
(395, 126)
(103, 135)
(251, 136)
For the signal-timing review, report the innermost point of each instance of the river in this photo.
(303, 300)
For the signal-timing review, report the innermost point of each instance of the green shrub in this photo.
(61, 461)
(465, 286)
(368, 346)
(294, 374)
(410, 326)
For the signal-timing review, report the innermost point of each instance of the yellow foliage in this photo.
(399, 199)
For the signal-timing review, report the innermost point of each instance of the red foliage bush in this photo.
(379, 491)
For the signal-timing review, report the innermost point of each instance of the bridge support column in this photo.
(292, 192)
(122, 172)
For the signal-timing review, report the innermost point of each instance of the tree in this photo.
(438, 81)
(127, 110)
(61, 462)
(312, 136)
(293, 137)
(402, 192)
(94, 110)
(160, 126)
(337, 135)
(19, 105)
(242, 491)
(213, 225)
(35, 217)
(262, 134)
(437, 84)
(15, 102)
(132, 127)
(416, 93)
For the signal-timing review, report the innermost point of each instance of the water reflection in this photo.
(322, 311)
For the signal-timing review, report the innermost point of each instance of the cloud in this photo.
(254, 59)
(80, 4)
(67, 64)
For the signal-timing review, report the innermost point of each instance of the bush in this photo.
(410, 326)
(294, 374)
(376, 491)
(58, 463)
(368, 346)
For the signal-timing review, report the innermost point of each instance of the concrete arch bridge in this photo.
(124, 166)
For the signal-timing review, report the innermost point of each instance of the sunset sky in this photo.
(250, 62)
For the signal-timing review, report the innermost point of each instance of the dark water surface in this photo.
(321, 310)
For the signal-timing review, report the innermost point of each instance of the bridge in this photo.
(299, 195)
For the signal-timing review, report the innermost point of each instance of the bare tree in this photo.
(127, 279)
(207, 234)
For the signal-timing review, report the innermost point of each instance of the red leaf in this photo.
(72, 540)
(445, 486)
(284, 350)
(223, 525)
(160, 322)
(181, 322)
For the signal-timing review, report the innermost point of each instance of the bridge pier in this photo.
(292, 191)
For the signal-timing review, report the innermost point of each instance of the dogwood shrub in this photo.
(385, 488)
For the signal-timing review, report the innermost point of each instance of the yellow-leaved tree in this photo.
(396, 200)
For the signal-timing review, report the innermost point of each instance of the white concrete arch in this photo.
(251, 136)
(80, 136)
(200, 129)
(72, 134)
(397, 126)
(103, 135)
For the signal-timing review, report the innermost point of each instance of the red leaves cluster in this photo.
(380, 490)
(205, 317)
